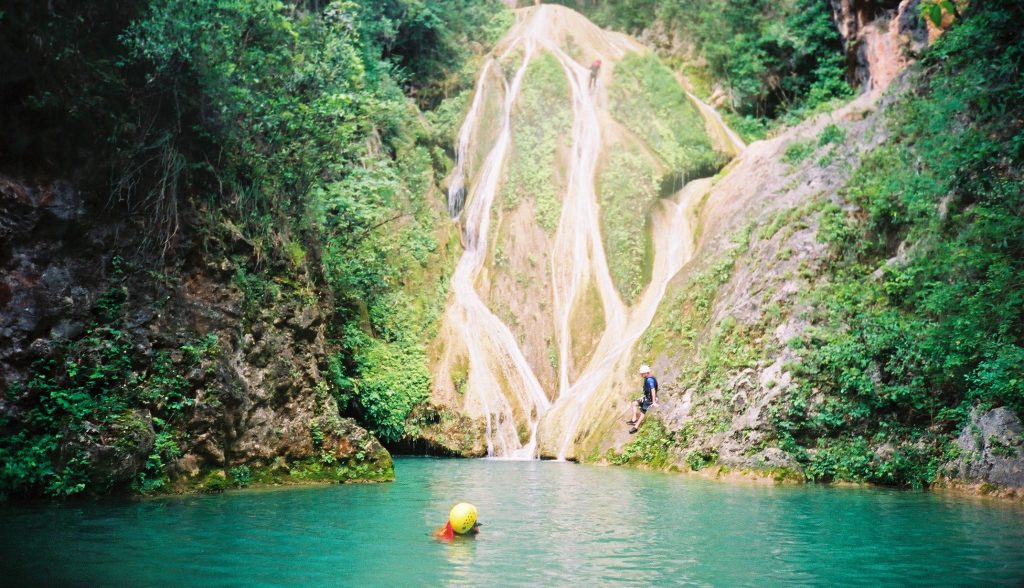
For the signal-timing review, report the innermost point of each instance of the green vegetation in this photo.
(831, 134)
(798, 151)
(541, 125)
(670, 147)
(427, 44)
(774, 58)
(649, 447)
(395, 380)
(241, 476)
(278, 135)
(628, 189)
(647, 99)
(919, 321)
(699, 459)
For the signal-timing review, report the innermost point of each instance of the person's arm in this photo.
(654, 394)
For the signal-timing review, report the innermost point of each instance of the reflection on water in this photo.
(544, 523)
(460, 554)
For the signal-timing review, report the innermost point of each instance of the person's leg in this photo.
(636, 422)
(636, 410)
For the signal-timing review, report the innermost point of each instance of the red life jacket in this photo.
(446, 532)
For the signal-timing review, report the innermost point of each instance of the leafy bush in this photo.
(393, 380)
(241, 476)
(798, 151)
(831, 134)
(649, 446)
(773, 57)
(701, 458)
(919, 321)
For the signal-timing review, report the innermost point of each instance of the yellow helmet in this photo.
(462, 517)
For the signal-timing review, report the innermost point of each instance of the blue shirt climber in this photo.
(649, 399)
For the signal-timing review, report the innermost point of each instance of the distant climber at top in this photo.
(595, 68)
(649, 399)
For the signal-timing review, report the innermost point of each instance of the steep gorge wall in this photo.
(760, 376)
(720, 344)
(240, 360)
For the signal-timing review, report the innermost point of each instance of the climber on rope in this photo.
(649, 399)
(595, 68)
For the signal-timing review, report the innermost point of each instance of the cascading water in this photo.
(494, 355)
(457, 187)
(501, 385)
(732, 140)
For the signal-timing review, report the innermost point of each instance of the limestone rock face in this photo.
(880, 38)
(992, 447)
(255, 395)
(40, 300)
(722, 409)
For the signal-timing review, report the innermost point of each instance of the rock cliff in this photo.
(991, 456)
(721, 342)
(205, 368)
(880, 38)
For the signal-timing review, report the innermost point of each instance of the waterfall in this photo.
(501, 385)
(714, 119)
(494, 354)
(457, 187)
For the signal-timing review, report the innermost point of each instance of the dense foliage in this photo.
(771, 56)
(98, 391)
(920, 320)
(665, 148)
(277, 133)
(542, 124)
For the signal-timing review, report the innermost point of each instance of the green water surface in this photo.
(545, 524)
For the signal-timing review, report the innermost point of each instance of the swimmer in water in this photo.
(461, 522)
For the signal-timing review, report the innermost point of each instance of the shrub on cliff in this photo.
(920, 320)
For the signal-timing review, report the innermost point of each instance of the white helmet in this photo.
(645, 369)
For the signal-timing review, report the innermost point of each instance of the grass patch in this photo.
(798, 151)
(541, 124)
(628, 189)
(646, 98)
(831, 135)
